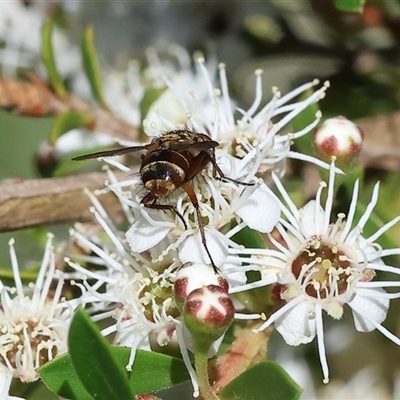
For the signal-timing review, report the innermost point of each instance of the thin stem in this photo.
(201, 364)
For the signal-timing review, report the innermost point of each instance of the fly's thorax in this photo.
(183, 136)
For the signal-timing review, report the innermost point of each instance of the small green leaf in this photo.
(66, 167)
(266, 381)
(150, 96)
(92, 67)
(249, 238)
(94, 362)
(350, 5)
(263, 27)
(151, 372)
(154, 371)
(69, 120)
(60, 377)
(55, 78)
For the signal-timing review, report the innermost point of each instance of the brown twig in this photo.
(35, 98)
(36, 202)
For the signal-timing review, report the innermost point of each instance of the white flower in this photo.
(79, 139)
(247, 146)
(137, 290)
(6, 376)
(174, 74)
(243, 133)
(34, 321)
(324, 266)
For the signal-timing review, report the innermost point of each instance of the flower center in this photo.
(322, 269)
(157, 299)
(154, 295)
(27, 338)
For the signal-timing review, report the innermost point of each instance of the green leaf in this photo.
(60, 377)
(249, 238)
(94, 362)
(151, 372)
(266, 381)
(154, 371)
(69, 120)
(55, 78)
(150, 96)
(350, 5)
(66, 167)
(92, 67)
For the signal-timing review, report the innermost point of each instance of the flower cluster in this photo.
(140, 290)
(192, 227)
(315, 265)
(319, 265)
(163, 279)
(34, 321)
(246, 149)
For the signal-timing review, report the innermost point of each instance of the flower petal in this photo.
(236, 276)
(6, 376)
(373, 304)
(310, 219)
(192, 249)
(297, 326)
(260, 210)
(141, 236)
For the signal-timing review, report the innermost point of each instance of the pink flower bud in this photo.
(338, 137)
(208, 313)
(193, 276)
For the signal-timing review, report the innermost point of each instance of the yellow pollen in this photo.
(326, 264)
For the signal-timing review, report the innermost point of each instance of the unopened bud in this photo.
(191, 276)
(338, 137)
(208, 313)
(46, 160)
